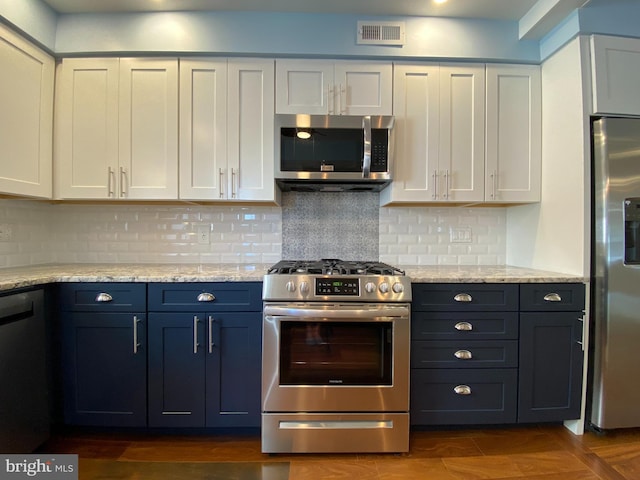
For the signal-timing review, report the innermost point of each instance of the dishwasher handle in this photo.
(14, 308)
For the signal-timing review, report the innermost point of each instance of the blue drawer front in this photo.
(482, 354)
(84, 297)
(227, 297)
(464, 326)
(482, 297)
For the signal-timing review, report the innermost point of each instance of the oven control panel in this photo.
(341, 286)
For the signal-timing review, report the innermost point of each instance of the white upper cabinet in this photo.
(26, 117)
(615, 64)
(117, 129)
(227, 129)
(333, 88)
(514, 134)
(439, 134)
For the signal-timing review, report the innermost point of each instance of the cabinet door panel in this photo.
(514, 133)
(26, 117)
(251, 135)
(363, 88)
(233, 370)
(304, 87)
(551, 360)
(104, 374)
(203, 129)
(148, 128)
(176, 370)
(86, 155)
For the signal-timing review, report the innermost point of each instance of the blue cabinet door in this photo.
(234, 369)
(104, 362)
(176, 370)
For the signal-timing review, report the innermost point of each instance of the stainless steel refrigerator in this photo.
(615, 270)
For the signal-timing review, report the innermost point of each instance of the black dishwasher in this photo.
(24, 404)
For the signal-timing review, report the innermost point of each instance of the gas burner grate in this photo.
(332, 266)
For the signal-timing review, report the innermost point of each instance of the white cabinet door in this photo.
(148, 128)
(462, 116)
(117, 129)
(439, 134)
(416, 131)
(363, 88)
(615, 64)
(26, 117)
(250, 150)
(203, 129)
(333, 88)
(86, 143)
(514, 136)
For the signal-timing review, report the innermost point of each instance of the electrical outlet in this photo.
(5, 232)
(204, 234)
(460, 235)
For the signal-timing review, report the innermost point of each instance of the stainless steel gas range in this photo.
(335, 357)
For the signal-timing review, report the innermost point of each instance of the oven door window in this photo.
(336, 353)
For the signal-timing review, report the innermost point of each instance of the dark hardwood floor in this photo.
(540, 452)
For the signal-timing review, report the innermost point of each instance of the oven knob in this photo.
(290, 286)
(398, 288)
(304, 287)
(370, 287)
(384, 287)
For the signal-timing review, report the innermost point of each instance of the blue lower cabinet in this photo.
(204, 369)
(104, 369)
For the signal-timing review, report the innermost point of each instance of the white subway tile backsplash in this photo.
(349, 226)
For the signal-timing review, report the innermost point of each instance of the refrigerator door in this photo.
(616, 273)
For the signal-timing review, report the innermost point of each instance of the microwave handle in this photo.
(366, 160)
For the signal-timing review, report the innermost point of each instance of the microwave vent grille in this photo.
(381, 33)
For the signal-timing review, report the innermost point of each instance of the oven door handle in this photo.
(350, 313)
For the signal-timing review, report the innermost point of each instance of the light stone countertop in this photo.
(19, 277)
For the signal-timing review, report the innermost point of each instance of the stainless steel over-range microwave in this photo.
(334, 153)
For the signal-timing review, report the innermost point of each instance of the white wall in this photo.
(554, 234)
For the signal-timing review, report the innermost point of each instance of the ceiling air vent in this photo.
(381, 33)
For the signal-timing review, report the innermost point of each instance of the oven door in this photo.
(335, 358)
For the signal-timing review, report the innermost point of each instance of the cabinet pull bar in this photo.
(446, 184)
(211, 342)
(552, 297)
(195, 334)
(206, 297)
(221, 181)
(463, 297)
(136, 320)
(234, 180)
(463, 326)
(494, 179)
(343, 99)
(123, 182)
(435, 185)
(111, 180)
(463, 355)
(330, 98)
(103, 297)
(462, 390)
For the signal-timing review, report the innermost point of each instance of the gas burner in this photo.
(332, 266)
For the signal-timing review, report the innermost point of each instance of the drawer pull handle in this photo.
(462, 390)
(463, 297)
(206, 297)
(552, 297)
(463, 355)
(463, 326)
(103, 297)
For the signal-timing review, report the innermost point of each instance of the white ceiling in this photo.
(493, 9)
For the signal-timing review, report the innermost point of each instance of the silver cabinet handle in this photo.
(136, 344)
(447, 180)
(111, 180)
(366, 158)
(343, 100)
(211, 342)
(123, 182)
(463, 355)
(552, 297)
(463, 326)
(221, 180)
(234, 180)
(462, 390)
(103, 297)
(206, 297)
(463, 297)
(331, 97)
(494, 179)
(195, 334)
(435, 185)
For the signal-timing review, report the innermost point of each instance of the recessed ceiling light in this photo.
(439, 1)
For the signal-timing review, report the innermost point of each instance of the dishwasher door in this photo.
(24, 402)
